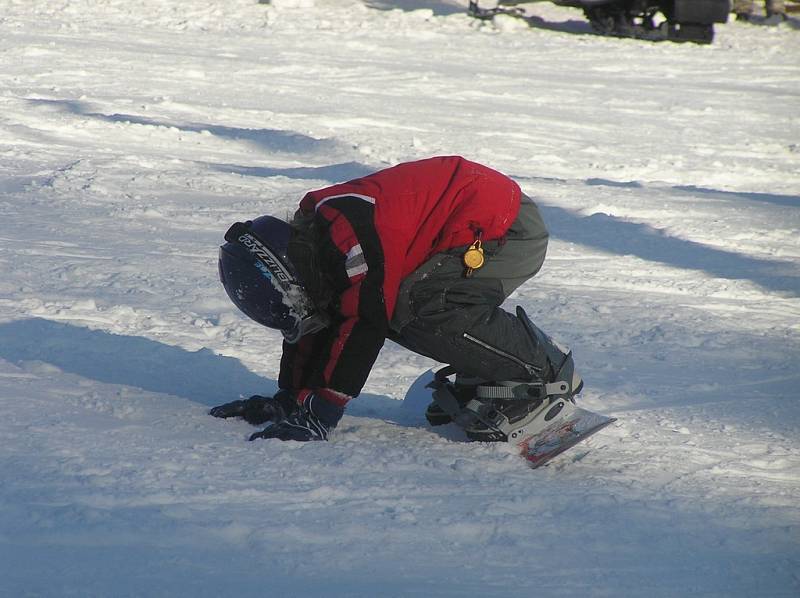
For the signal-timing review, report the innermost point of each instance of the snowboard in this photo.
(561, 427)
(562, 435)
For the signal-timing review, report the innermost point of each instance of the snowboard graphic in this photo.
(565, 433)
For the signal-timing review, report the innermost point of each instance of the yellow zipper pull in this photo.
(473, 257)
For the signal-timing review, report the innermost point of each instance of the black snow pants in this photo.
(457, 320)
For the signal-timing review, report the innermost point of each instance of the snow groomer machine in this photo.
(674, 20)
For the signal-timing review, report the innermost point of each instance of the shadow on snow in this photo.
(271, 139)
(622, 237)
(445, 8)
(791, 201)
(439, 7)
(332, 172)
(201, 376)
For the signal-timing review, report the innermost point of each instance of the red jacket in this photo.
(376, 231)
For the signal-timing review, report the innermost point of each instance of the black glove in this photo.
(257, 409)
(314, 420)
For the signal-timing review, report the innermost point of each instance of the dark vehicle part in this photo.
(683, 20)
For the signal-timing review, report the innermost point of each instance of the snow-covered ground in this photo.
(133, 132)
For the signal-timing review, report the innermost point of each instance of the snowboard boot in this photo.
(494, 411)
(560, 366)
(497, 411)
(509, 408)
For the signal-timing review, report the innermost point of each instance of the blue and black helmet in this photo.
(258, 276)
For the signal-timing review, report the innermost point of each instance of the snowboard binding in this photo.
(541, 420)
(496, 411)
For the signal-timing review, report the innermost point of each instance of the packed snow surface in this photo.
(133, 132)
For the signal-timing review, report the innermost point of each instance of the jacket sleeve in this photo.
(338, 360)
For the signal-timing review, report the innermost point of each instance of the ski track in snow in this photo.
(132, 133)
